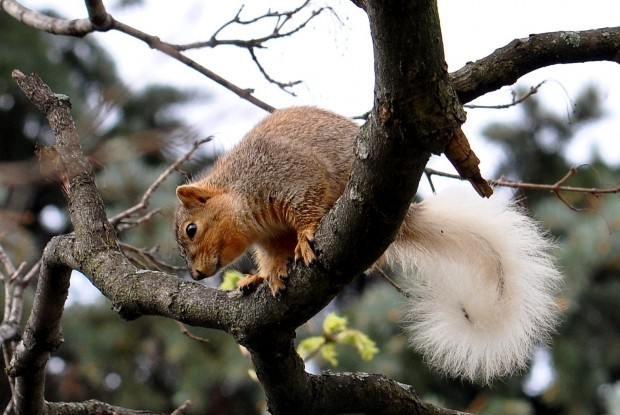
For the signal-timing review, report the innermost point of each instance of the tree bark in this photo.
(415, 112)
(521, 56)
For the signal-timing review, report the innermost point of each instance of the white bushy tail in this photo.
(481, 280)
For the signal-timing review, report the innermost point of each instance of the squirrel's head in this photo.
(208, 230)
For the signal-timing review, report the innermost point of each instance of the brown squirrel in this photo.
(478, 271)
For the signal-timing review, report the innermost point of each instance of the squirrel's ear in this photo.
(191, 195)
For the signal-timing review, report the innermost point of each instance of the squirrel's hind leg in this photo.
(303, 249)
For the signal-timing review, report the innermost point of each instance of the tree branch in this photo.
(521, 56)
(370, 393)
(39, 21)
(399, 134)
(329, 393)
(556, 187)
(121, 221)
(41, 334)
(280, 20)
(100, 20)
(91, 407)
(515, 99)
(155, 43)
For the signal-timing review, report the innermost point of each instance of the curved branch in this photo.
(329, 393)
(521, 56)
(40, 21)
(100, 20)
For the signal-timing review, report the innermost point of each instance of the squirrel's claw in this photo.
(277, 286)
(249, 283)
(303, 250)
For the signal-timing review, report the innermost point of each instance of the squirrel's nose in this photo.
(198, 275)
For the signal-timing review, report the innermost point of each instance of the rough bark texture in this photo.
(416, 111)
(507, 64)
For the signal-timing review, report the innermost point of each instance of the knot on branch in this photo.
(39, 93)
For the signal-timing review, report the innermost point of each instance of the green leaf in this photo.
(310, 346)
(230, 280)
(328, 351)
(334, 324)
(366, 347)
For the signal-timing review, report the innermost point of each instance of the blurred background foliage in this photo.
(131, 136)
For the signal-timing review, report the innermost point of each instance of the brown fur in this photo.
(269, 192)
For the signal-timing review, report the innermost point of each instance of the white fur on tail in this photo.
(482, 284)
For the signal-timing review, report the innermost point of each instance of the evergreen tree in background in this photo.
(586, 351)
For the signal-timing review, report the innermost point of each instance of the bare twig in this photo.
(515, 100)
(283, 86)
(280, 20)
(181, 409)
(391, 281)
(187, 333)
(121, 221)
(148, 258)
(155, 43)
(556, 188)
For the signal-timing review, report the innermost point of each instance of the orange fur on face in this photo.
(217, 240)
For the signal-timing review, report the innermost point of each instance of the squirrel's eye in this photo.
(191, 230)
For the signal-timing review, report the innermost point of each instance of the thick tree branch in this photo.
(394, 137)
(329, 393)
(415, 114)
(41, 334)
(370, 394)
(521, 56)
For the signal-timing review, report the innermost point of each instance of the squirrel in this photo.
(479, 275)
